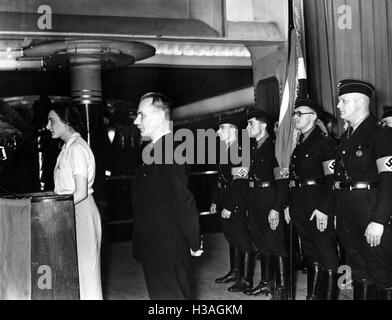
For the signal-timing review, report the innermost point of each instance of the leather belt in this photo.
(257, 184)
(355, 185)
(305, 183)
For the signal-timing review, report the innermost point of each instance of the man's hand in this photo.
(373, 234)
(213, 208)
(287, 215)
(273, 219)
(322, 220)
(226, 214)
(197, 253)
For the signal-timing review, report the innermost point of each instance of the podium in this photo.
(38, 257)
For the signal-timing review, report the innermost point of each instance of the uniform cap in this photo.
(226, 119)
(355, 86)
(310, 104)
(259, 114)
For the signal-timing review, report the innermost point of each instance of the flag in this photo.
(295, 87)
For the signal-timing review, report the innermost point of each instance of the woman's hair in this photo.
(69, 114)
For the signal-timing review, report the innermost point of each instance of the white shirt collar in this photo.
(71, 139)
(160, 136)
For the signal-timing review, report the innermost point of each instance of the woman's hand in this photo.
(81, 188)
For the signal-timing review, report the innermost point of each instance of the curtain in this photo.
(362, 49)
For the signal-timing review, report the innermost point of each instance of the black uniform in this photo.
(311, 180)
(265, 194)
(363, 191)
(267, 191)
(231, 194)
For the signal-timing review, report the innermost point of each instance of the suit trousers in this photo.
(169, 281)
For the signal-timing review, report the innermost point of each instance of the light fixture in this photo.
(10, 53)
(201, 49)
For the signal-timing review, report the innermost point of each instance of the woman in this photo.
(74, 174)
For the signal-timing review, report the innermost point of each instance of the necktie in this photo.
(301, 138)
(349, 132)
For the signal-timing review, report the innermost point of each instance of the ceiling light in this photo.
(201, 50)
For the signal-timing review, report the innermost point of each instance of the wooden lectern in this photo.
(38, 257)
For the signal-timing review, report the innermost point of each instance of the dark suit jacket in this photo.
(166, 219)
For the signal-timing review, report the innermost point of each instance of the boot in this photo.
(385, 294)
(245, 282)
(331, 289)
(364, 291)
(233, 274)
(267, 283)
(314, 282)
(282, 279)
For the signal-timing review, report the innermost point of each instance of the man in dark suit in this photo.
(166, 219)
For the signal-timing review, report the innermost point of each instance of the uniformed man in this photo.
(229, 202)
(363, 192)
(387, 116)
(310, 200)
(267, 189)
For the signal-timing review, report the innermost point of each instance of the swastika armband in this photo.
(240, 173)
(329, 167)
(279, 175)
(384, 164)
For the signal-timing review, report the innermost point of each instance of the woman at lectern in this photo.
(74, 174)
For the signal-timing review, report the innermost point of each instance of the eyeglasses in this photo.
(300, 114)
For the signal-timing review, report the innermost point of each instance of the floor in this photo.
(123, 277)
